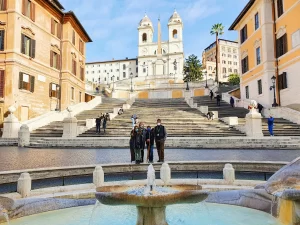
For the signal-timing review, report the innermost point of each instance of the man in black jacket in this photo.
(150, 144)
(98, 124)
(160, 135)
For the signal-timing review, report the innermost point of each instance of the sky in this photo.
(112, 24)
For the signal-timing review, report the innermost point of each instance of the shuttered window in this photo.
(56, 28)
(81, 46)
(2, 83)
(279, 7)
(28, 9)
(282, 81)
(26, 82)
(247, 92)
(82, 73)
(55, 60)
(259, 86)
(54, 90)
(28, 46)
(281, 45)
(2, 38)
(243, 34)
(245, 66)
(73, 38)
(74, 66)
(3, 5)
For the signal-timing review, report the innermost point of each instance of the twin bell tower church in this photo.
(161, 59)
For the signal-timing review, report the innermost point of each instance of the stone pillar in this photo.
(11, 125)
(24, 185)
(206, 92)
(253, 125)
(203, 109)
(165, 173)
(216, 114)
(70, 127)
(98, 176)
(228, 174)
(24, 136)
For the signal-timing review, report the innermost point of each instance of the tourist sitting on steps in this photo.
(150, 144)
(138, 144)
(121, 111)
(160, 135)
(210, 115)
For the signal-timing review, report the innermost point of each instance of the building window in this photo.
(28, 46)
(73, 37)
(2, 38)
(281, 45)
(224, 70)
(234, 50)
(3, 5)
(224, 62)
(26, 82)
(54, 60)
(2, 83)
(175, 34)
(99, 71)
(235, 57)
(55, 28)
(258, 59)
(247, 92)
(118, 70)
(28, 9)
(144, 37)
(229, 70)
(104, 78)
(243, 34)
(111, 70)
(82, 73)
(209, 68)
(54, 90)
(229, 62)
(124, 74)
(245, 64)
(279, 7)
(124, 66)
(74, 67)
(80, 96)
(256, 20)
(229, 56)
(72, 93)
(81, 46)
(118, 78)
(229, 49)
(235, 71)
(282, 81)
(235, 63)
(259, 85)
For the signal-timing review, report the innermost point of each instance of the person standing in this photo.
(271, 125)
(232, 101)
(144, 132)
(131, 144)
(160, 135)
(98, 124)
(138, 144)
(104, 123)
(259, 107)
(218, 100)
(211, 95)
(150, 144)
(132, 121)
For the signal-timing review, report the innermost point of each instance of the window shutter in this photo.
(51, 58)
(52, 26)
(20, 80)
(2, 33)
(73, 38)
(32, 47)
(4, 5)
(285, 46)
(58, 62)
(32, 11)
(59, 92)
(75, 67)
(284, 80)
(59, 26)
(32, 83)
(24, 7)
(50, 90)
(246, 33)
(2, 83)
(23, 43)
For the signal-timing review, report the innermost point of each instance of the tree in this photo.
(192, 69)
(217, 29)
(234, 79)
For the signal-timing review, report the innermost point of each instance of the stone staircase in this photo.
(177, 116)
(282, 127)
(55, 129)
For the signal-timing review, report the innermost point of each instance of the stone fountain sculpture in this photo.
(151, 201)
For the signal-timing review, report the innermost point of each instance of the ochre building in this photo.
(42, 57)
(269, 39)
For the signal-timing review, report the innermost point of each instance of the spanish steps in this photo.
(282, 127)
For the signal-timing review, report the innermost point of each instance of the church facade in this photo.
(161, 58)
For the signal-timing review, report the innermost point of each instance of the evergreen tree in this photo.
(192, 69)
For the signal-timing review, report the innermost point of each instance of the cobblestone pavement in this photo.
(14, 158)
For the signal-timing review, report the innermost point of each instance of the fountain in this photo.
(151, 200)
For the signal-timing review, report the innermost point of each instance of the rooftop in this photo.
(113, 60)
(214, 43)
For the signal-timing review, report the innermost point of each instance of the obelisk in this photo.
(159, 64)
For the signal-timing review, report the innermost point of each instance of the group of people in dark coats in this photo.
(101, 120)
(141, 137)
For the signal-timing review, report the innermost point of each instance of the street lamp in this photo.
(205, 73)
(131, 76)
(113, 77)
(274, 89)
(187, 73)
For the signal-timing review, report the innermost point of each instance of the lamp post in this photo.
(205, 73)
(131, 76)
(113, 77)
(274, 90)
(187, 72)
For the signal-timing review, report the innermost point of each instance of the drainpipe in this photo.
(275, 51)
(61, 54)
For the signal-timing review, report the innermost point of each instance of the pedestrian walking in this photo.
(138, 144)
(232, 101)
(271, 125)
(144, 132)
(104, 123)
(218, 100)
(160, 135)
(211, 95)
(150, 144)
(98, 124)
(131, 144)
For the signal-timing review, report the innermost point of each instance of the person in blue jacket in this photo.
(271, 125)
